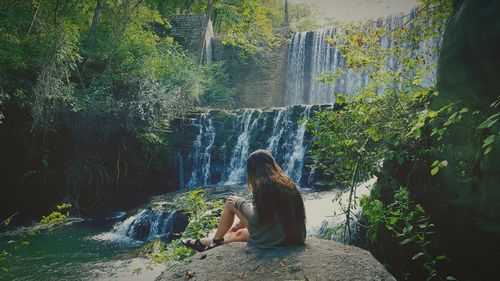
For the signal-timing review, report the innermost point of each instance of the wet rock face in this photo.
(468, 209)
(153, 224)
(317, 260)
(468, 74)
(212, 147)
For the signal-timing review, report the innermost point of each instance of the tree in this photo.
(96, 77)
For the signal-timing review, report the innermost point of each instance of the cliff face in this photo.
(317, 260)
(467, 209)
(468, 75)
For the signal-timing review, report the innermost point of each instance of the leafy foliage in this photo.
(492, 131)
(407, 222)
(203, 218)
(96, 76)
(5, 263)
(388, 122)
(247, 24)
(56, 217)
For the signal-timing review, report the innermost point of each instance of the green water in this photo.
(87, 250)
(79, 252)
(72, 253)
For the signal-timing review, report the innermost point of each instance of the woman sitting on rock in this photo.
(275, 219)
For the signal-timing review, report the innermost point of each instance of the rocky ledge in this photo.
(317, 260)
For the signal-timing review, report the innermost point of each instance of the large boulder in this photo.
(468, 74)
(316, 260)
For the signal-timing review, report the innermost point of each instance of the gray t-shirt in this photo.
(265, 236)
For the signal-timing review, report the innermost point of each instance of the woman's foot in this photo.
(202, 245)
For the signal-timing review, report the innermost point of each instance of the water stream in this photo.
(218, 155)
(310, 55)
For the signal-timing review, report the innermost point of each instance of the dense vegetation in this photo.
(393, 130)
(88, 90)
(86, 86)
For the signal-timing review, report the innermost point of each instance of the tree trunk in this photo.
(95, 19)
(208, 14)
(287, 23)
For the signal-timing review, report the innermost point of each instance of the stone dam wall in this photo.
(257, 82)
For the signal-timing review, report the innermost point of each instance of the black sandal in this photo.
(199, 246)
(215, 243)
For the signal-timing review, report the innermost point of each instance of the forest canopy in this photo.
(82, 82)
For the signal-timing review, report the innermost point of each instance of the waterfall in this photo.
(324, 58)
(310, 55)
(202, 151)
(278, 130)
(240, 152)
(219, 152)
(147, 224)
(295, 158)
(295, 70)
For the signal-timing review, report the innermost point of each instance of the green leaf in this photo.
(489, 122)
(443, 163)
(435, 170)
(488, 150)
(393, 220)
(432, 114)
(451, 278)
(440, 258)
(400, 158)
(390, 155)
(417, 256)
(5, 269)
(489, 140)
(406, 241)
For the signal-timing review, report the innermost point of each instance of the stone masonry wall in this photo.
(258, 81)
(188, 30)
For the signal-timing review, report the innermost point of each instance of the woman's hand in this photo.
(231, 199)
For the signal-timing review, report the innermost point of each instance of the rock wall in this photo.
(258, 81)
(468, 73)
(211, 147)
(469, 211)
(191, 32)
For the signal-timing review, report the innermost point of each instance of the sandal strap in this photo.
(215, 243)
(197, 245)
(218, 241)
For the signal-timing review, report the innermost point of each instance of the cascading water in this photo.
(278, 129)
(220, 152)
(310, 55)
(240, 153)
(295, 70)
(200, 174)
(295, 159)
(147, 224)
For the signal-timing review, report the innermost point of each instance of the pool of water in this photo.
(89, 250)
(72, 253)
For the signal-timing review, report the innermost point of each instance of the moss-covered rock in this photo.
(469, 72)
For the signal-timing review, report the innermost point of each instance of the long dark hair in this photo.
(275, 193)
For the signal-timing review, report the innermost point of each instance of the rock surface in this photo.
(317, 260)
